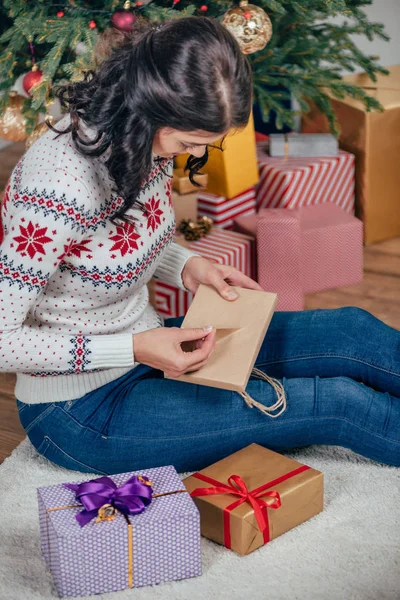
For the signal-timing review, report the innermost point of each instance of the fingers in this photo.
(222, 287)
(235, 277)
(240, 279)
(185, 335)
(190, 361)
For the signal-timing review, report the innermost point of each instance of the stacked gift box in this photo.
(231, 178)
(374, 138)
(297, 251)
(305, 250)
(290, 182)
(219, 246)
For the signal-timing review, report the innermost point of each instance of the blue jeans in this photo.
(340, 369)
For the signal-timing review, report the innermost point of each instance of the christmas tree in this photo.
(52, 42)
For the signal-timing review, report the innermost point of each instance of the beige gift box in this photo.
(374, 139)
(241, 326)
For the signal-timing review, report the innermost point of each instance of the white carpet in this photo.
(351, 551)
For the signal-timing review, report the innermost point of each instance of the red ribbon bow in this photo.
(253, 497)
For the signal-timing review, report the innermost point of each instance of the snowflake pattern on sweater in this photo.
(73, 284)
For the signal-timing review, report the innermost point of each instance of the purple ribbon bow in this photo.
(131, 498)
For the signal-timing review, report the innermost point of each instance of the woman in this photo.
(88, 221)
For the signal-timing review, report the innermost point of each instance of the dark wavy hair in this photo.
(188, 74)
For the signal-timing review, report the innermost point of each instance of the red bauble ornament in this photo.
(176, 1)
(60, 14)
(204, 8)
(123, 20)
(31, 79)
(92, 24)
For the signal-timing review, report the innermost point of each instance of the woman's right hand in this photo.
(161, 348)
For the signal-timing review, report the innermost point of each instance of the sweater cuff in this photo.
(172, 264)
(112, 350)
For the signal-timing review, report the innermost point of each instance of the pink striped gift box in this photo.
(324, 251)
(332, 248)
(294, 182)
(279, 257)
(220, 246)
(223, 210)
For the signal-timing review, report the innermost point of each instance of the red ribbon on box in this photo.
(252, 497)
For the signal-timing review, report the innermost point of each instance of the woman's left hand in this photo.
(199, 270)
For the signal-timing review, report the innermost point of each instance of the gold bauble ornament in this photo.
(39, 131)
(250, 25)
(12, 121)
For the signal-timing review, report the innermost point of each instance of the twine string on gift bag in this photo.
(280, 392)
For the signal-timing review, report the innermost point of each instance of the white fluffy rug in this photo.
(351, 551)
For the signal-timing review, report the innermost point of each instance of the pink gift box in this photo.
(325, 250)
(294, 182)
(220, 246)
(223, 210)
(279, 257)
(332, 248)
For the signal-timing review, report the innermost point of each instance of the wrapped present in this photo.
(111, 533)
(220, 246)
(303, 144)
(169, 300)
(253, 496)
(324, 251)
(182, 184)
(374, 138)
(234, 170)
(331, 248)
(223, 211)
(293, 182)
(279, 257)
(185, 206)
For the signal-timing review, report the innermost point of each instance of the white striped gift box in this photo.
(220, 246)
(223, 210)
(294, 182)
(170, 300)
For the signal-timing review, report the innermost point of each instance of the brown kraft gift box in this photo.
(185, 207)
(295, 494)
(374, 138)
(241, 326)
(182, 184)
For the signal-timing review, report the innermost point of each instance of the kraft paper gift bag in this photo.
(241, 326)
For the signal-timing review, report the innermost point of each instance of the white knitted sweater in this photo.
(73, 285)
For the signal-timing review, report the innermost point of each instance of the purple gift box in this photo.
(108, 550)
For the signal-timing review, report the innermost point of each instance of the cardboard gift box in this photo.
(374, 139)
(220, 246)
(241, 326)
(182, 184)
(146, 533)
(303, 144)
(234, 170)
(293, 182)
(223, 211)
(306, 250)
(185, 206)
(253, 496)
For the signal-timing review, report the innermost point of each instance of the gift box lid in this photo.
(164, 479)
(386, 88)
(324, 215)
